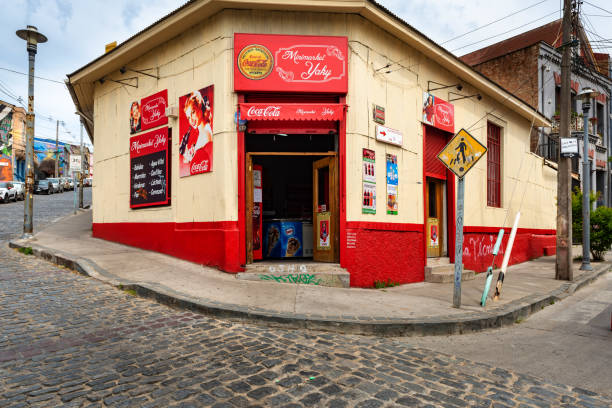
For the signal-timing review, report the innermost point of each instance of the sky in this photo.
(78, 31)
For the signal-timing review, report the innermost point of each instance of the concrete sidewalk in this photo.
(413, 309)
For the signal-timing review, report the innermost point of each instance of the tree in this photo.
(577, 214)
(601, 225)
(601, 232)
(48, 167)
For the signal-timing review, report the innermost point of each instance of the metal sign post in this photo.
(459, 156)
(74, 180)
(459, 243)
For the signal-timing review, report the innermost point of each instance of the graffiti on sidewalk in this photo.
(303, 278)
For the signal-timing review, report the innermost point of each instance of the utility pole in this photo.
(82, 169)
(563, 266)
(56, 151)
(32, 37)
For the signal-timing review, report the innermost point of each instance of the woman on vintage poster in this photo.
(429, 116)
(135, 118)
(196, 129)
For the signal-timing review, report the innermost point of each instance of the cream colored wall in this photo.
(203, 55)
(527, 184)
(196, 59)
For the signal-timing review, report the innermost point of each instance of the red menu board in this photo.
(149, 169)
(289, 63)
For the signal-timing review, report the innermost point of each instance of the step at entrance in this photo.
(438, 272)
(305, 273)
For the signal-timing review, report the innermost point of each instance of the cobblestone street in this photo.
(72, 341)
(47, 208)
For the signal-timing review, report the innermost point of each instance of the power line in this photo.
(23, 73)
(597, 7)
(506, 32)
(493, 22)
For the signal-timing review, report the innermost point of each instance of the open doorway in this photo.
(292, 198)
(435, 207)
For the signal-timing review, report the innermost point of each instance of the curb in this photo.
(502, 316)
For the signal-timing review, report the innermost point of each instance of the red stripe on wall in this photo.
(207, 243)
(385, 226)
(241, 157)
(495, 230)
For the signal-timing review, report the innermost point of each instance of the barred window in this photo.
(493, 165)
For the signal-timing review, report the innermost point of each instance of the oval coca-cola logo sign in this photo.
(255, 61)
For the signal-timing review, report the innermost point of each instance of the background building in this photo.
(529, 64)
(12, 142)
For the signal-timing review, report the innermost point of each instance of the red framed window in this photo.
(493, 165)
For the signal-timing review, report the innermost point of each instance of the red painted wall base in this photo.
(382, 252)
(208, 243)
(373, 252)
(528, 244)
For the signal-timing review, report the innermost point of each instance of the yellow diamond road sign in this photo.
(462, 153)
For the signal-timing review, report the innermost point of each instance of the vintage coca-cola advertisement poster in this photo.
(149, 164)
(286, 63)
(196, 132)
(153, 110)
(438, 113)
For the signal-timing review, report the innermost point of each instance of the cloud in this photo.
(130, 11)
(31, 8)
(64, 8)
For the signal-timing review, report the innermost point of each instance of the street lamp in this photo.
(31, 35)
(585, 95)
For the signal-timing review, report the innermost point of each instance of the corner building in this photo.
(289, 132)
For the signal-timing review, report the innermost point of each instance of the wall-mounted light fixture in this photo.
(121, 81)
(459, 96)
(442, 86)
(123, 70)
(171, 112)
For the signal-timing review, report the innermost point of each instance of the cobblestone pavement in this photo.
(47, 208)
(68, 340)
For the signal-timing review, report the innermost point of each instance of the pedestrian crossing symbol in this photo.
(462, 153)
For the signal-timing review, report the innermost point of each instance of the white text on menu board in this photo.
(159, 139)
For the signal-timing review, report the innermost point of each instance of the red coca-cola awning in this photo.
(291, 111)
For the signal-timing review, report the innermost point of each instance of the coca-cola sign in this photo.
(263, 112)
(300, 63)
(291, 111)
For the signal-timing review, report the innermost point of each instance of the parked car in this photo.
(57, 186)
(43, 187)
(7, 191)
(65, 183)
(20, 187)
